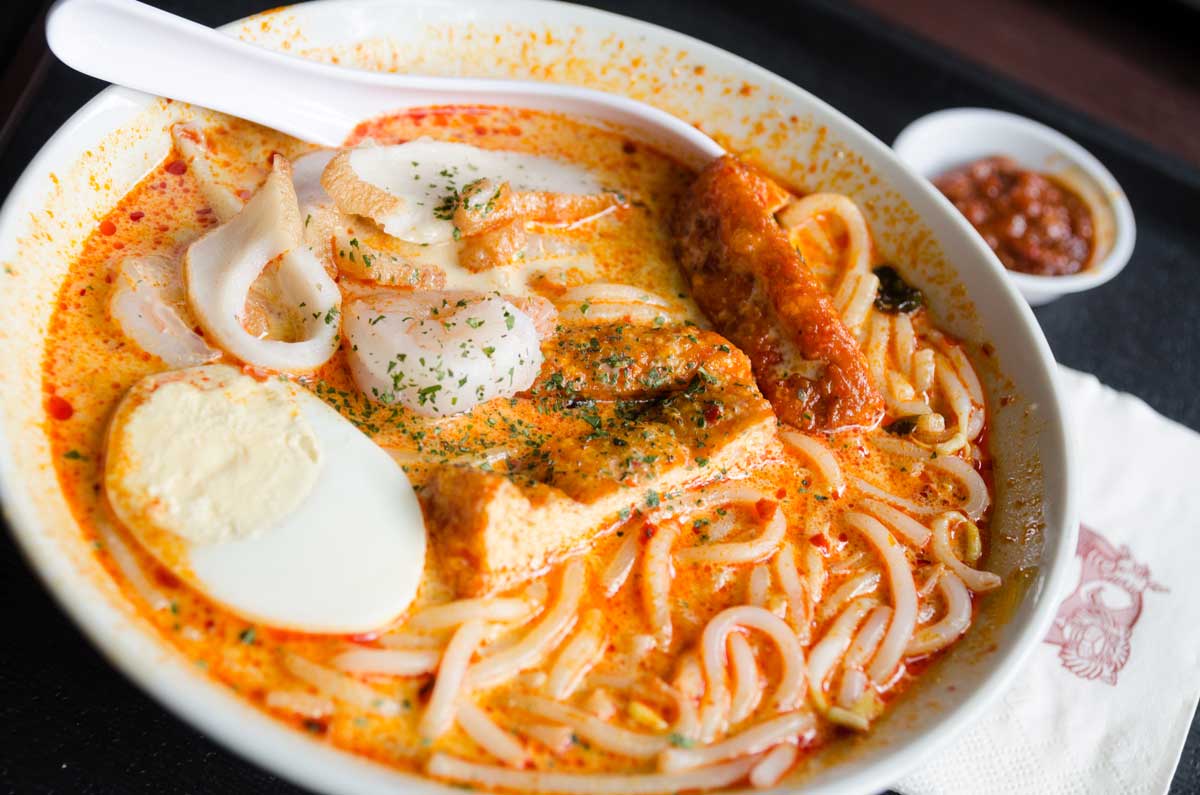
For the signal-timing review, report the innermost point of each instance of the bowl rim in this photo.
(247, 732)
(1126, 227)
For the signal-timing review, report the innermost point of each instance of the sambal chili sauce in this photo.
(1034, 223)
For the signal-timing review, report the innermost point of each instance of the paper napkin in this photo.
(1105, 702)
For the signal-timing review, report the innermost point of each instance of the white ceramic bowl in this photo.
(108, 145)
(934, 144)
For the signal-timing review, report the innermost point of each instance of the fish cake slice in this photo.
(757, 291)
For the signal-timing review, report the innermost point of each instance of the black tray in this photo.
(69, 723)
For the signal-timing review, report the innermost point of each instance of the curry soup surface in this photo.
(90, 365)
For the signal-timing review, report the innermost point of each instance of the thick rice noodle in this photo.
(790, 690)
(657, 573)
(747, 683)
(778, 761)
(954, 622)
(450, 615)
(904, 595)
(978, 498)
(760, 737)
(788, 577)
(819, 456)
(752, 551)
(577, 656)
(596, 731)
(886, 496)
(618, 569)
(341, 687)
(388, 662)
(900, 523)
(452, 673)
(944, 553)
(490, 737)
(824, 656)
(540, 641)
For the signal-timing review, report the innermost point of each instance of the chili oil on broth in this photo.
(89, 365)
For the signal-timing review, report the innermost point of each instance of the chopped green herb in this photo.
(428, 394)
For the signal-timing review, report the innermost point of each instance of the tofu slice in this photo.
(643, 414)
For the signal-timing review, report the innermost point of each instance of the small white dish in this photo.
(938, 142)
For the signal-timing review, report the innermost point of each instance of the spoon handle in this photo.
(141, 47)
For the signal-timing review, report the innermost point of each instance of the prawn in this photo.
(438, 352)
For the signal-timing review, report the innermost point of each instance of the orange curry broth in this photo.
(89, 365)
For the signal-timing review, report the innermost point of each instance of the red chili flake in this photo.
(712, 413)
(165, 578)
(765, 508)
(136, 215)
(118, 245)
(204, 211)
(108, 228)
(58, 408)
(819, 541)
(177, 167)
(780, 493)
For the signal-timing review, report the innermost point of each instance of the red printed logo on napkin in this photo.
(1095, 623)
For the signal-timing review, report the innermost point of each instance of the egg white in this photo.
(347, 558)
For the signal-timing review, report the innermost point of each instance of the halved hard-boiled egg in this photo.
(265, 499)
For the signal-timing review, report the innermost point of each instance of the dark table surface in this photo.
(69, 723)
